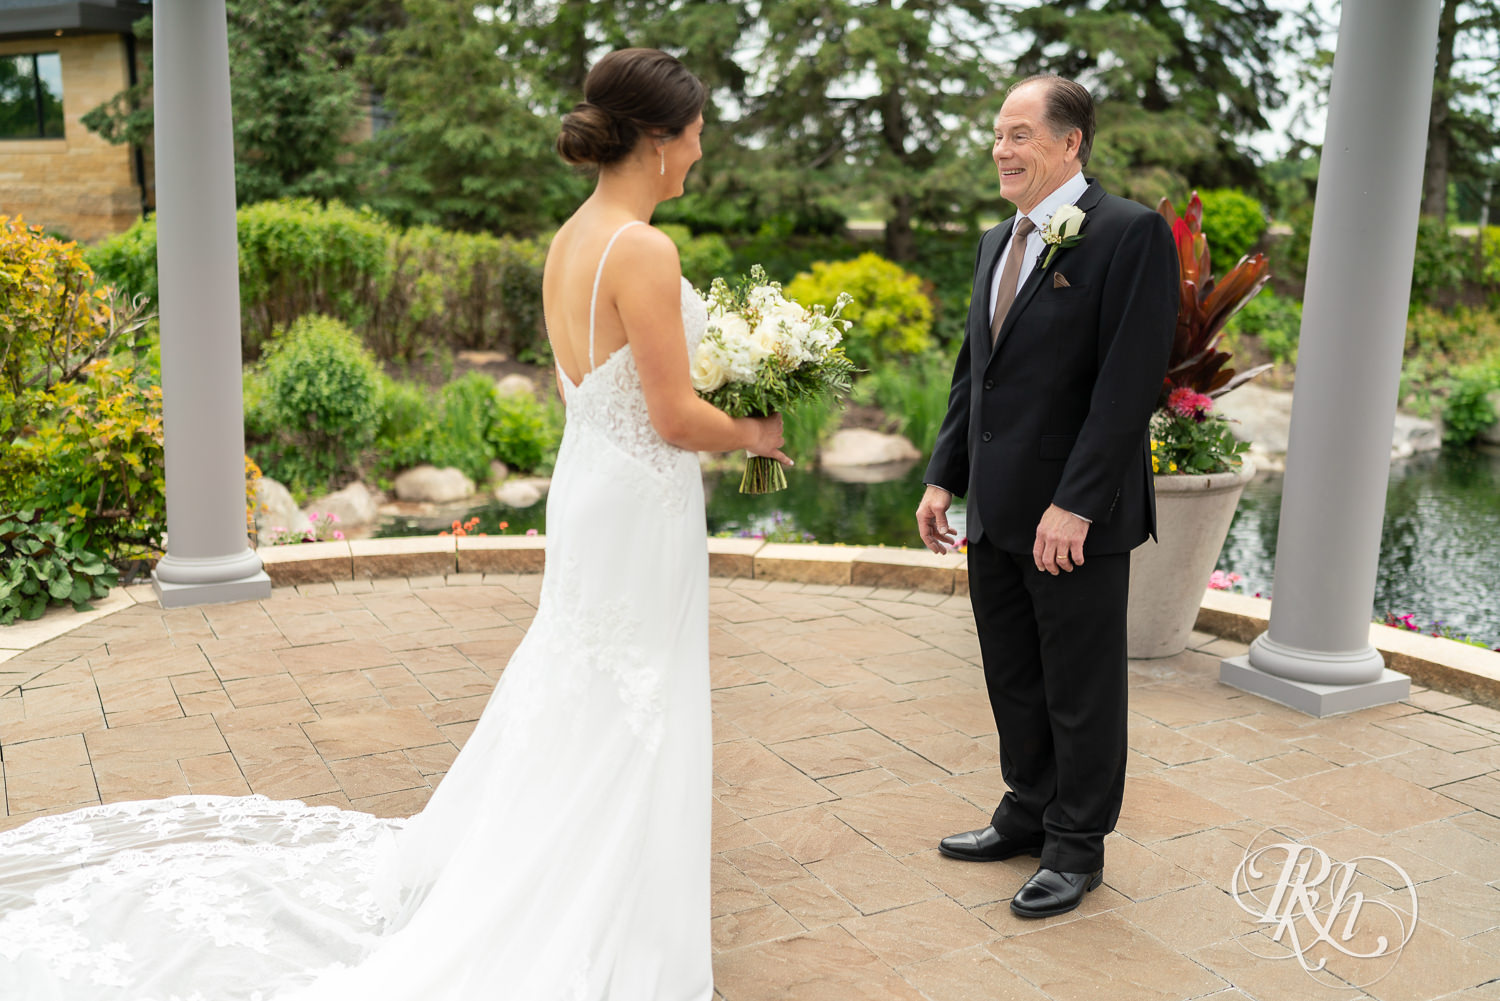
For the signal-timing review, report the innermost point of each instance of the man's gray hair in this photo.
(1068, 106)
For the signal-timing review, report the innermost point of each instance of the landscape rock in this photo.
(432, 485)
(355, 506)
(864, 447)
(1263, 418)
(516, 384)
(274, 508)
(1415, 434)
(498, 471)
(521, 492)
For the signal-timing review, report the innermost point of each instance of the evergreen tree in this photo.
(293, 106)
(1463, 132)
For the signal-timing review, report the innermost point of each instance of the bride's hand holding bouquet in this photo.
(763, 353)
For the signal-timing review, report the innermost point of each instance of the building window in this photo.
(31, 96)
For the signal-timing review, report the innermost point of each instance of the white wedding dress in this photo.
(565, 855)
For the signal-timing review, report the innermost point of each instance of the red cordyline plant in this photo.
(1205, 307)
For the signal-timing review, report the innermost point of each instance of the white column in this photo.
(208, 557)
(1316, 654)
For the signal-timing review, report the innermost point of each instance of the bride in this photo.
(566, 853)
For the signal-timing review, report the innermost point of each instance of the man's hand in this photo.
(1059, 540)
(932, 520)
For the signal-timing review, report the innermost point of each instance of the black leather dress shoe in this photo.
(1050, 892)
(988, 845)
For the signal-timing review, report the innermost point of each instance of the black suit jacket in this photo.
(1057, 412)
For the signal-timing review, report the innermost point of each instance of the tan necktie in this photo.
(1010, 276)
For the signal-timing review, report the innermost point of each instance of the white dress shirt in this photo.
(1066, 194)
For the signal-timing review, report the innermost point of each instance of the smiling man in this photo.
(1070, 324)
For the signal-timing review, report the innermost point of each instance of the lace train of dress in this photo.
(565, 855)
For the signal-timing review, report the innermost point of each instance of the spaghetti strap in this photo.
(598, 275)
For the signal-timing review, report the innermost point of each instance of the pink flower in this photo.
(531, 531)
(338, 536)
(1186, 402)
(1221, 581)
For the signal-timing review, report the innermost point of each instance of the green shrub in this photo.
(1233, 222)
(299, 258)
(525, 433)
(404, 410)
(99, 463)
(55, 318)
(1468, 410)
(462, 291)
(470, 426)
(41, 568)
(704, 258)
(1489, 272)
(1456, 337)
(128, 260)
(945, 260)
(1274, 320)
(807, 425)
(410, 293)
(785, 257)
(322, 394)
(1442, 264)
(467, 409)
(892, 318)
(913, 395)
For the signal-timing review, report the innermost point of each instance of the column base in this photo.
(256, 587)
(1310, 697)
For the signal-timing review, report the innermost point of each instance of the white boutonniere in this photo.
(1062, 231)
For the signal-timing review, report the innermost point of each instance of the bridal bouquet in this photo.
(762, 353)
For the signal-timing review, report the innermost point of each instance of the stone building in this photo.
(58, 61)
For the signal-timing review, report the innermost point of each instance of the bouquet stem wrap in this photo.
(762, 475)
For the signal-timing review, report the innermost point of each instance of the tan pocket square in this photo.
(1058, 281)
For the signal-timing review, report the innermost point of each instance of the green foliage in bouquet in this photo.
(42, 568)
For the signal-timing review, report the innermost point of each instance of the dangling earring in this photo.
(662, 150)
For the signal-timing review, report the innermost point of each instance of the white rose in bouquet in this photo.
(709, 370)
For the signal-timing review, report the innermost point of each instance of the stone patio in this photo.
(852, 732)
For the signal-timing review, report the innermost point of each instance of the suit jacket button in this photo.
(989, 384)
(985, 436)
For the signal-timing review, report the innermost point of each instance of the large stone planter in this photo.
(1168, 577)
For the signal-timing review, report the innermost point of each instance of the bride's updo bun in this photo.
(628, 94)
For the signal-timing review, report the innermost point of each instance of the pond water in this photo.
(1440, 547)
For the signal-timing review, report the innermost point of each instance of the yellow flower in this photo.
(1155, 464)
(1172, 468)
